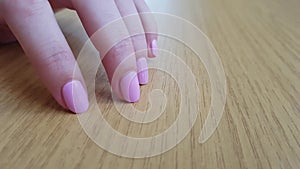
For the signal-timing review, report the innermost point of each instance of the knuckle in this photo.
(140, 45)
(155, 30)
(153, 26)
(57, 59)
(118, 53)
(139, 39)
(123, 47)
(109, 16)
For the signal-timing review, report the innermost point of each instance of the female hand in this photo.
(32, 23)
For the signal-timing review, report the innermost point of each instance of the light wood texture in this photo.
(259, 44)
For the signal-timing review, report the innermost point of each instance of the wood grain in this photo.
(258, 43)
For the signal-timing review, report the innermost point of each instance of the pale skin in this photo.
(52, 58)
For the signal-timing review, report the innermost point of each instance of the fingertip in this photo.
(130, 88)
(142, 69)
(154, 48)
(134, 90)
(75, 96)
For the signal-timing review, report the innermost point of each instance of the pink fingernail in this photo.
(154, 48)
(130, 87)
(75, 96)
(142, 69)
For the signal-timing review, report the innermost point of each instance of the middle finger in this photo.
(134, 25)
(119, 61)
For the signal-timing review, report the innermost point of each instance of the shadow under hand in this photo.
(21, 90)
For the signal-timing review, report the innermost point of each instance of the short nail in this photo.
(75, 96)
(154, 48)
(130, 87)
(142, 68)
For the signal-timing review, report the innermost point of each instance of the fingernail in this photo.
(154, 48)
(130, 87)
(142, 69)
(75, 96)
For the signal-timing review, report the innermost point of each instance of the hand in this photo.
(32, 23)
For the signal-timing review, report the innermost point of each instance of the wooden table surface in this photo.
(258, 43)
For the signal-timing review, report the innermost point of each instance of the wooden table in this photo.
(258, 44)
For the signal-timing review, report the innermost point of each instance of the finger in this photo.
(149, 25)
(34, 25)
(120, 61)
(133, 23)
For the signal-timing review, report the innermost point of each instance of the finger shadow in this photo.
(77, 38)
(21, 89)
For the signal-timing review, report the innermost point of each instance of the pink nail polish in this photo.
(142, 68)
(154, 48)
(75, 96)
(130, 87)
